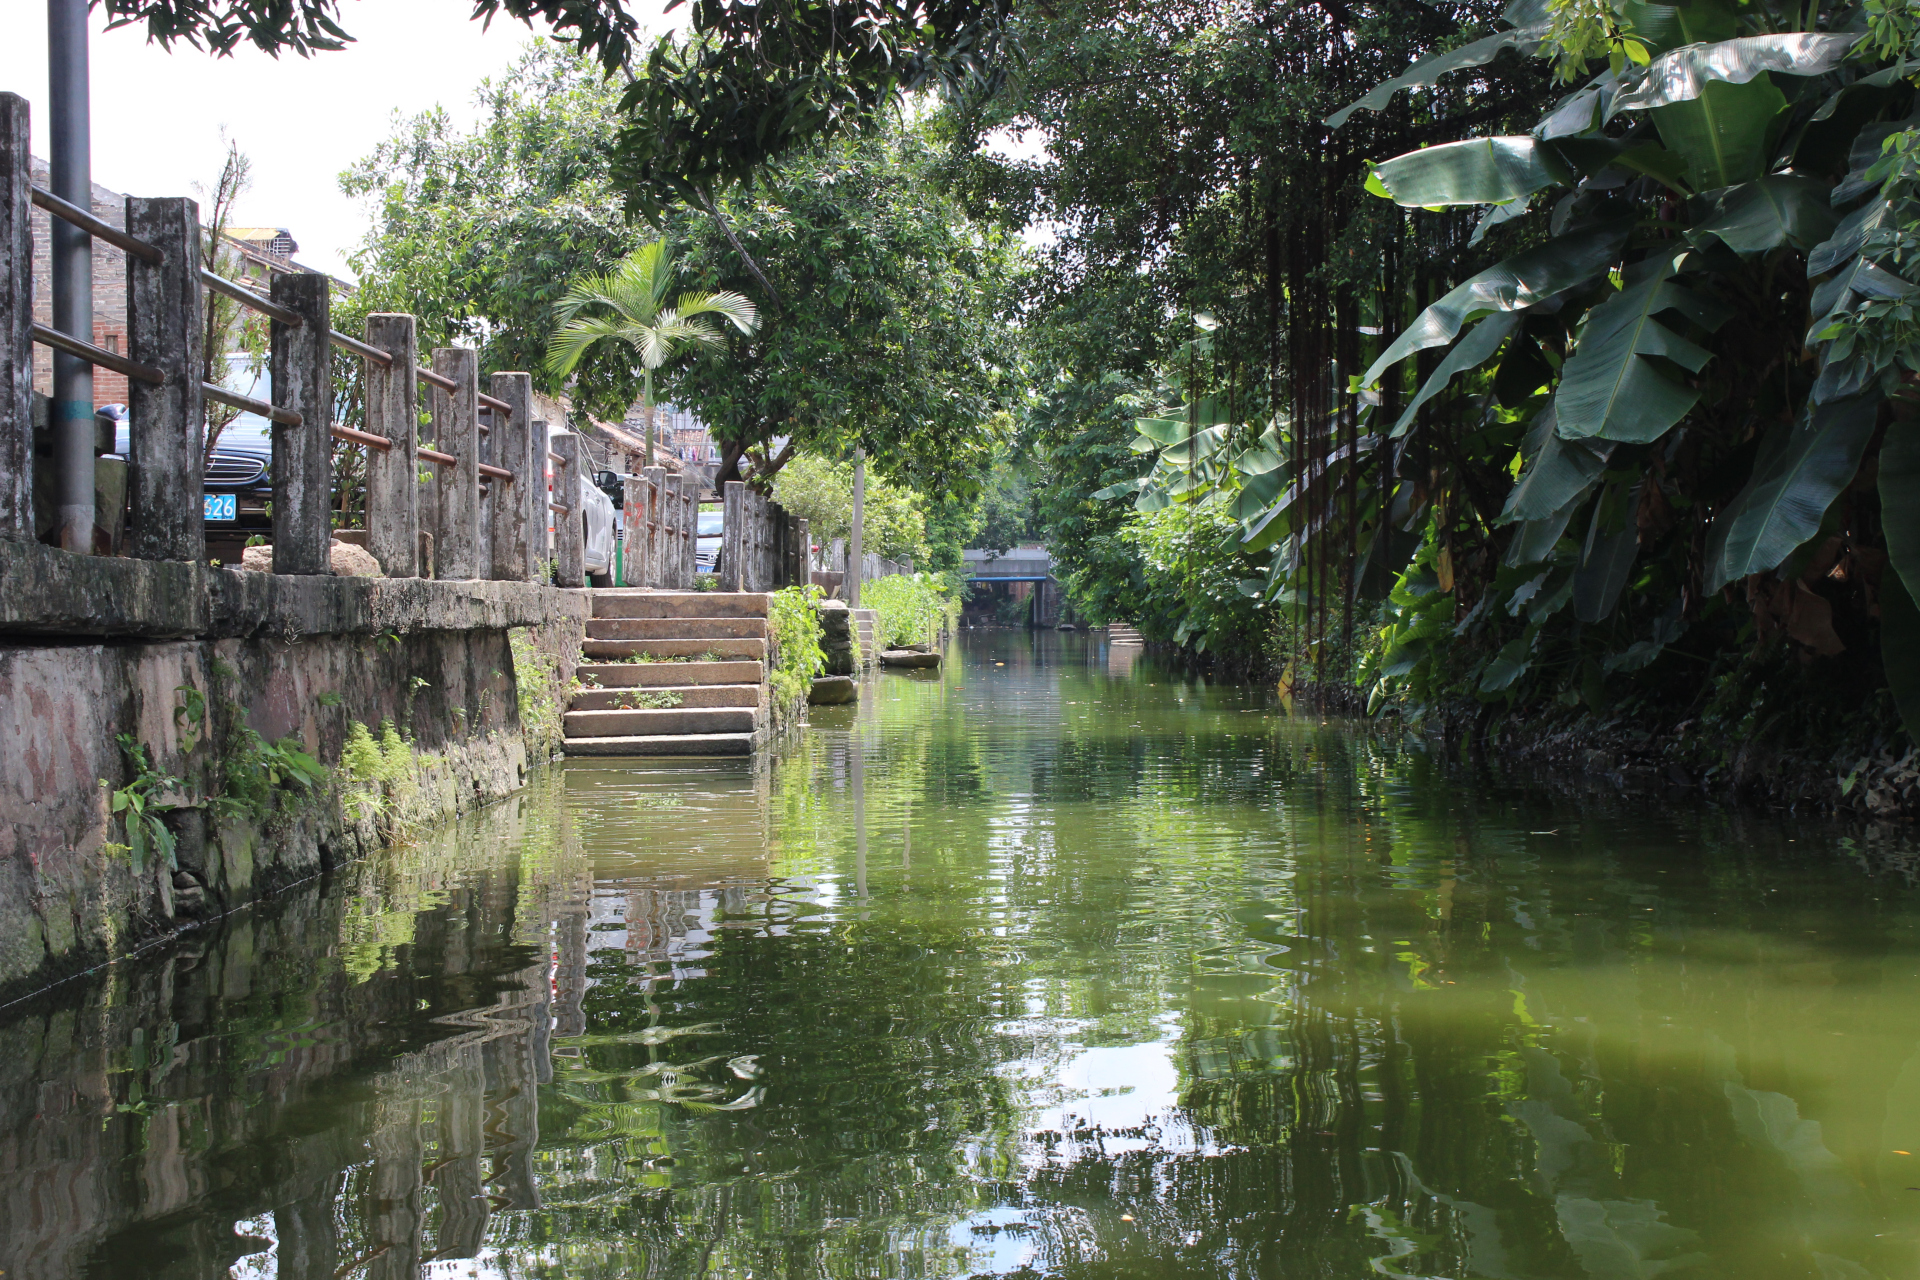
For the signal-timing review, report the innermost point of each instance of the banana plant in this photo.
(1722, 274)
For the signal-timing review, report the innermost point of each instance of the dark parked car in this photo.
(237, 481)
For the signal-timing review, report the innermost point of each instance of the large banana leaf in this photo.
(1613, 543)
(1534, 540)
(1684, 74)
(1776, 210)
(1470, 352)
(1257, 494)
(1861, 277)
(1476, 171)
(1580, 112)
(1726, 133)
(1799, 472)
(1610, 388)
(1899, 641)
(1900, 504)
(1513, 285)
(1557, 474)
(1429, 69)
(1849, 237)
(1662, 27)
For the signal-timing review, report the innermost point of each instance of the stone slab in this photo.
(655, 675)
(691, 695)
(692, 744)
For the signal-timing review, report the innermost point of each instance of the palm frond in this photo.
(735, 307)
(571, 341)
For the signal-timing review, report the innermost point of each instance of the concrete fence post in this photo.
(777, 542)
(393, 408)
(670, 544)
(16, 321)
(678, 519)
(805, 549)
(767, 566)
(569, 529)
(166, 442)
(689, 563)
(689, 549)
(656, 530)
(688, 523)
(431, 487)
(733, 536)
(456, 428)
(301, 361)
(513, 450)
(537, 496)
(634, 511)
(669, 528)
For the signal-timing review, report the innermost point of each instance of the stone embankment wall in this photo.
(417, 698)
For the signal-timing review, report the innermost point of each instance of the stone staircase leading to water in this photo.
(671, 673)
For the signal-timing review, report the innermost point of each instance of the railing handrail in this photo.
(98, 355)
(285, 417)
(248, 298)
(93, 226)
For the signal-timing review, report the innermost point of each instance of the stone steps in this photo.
(709, 657)
(690, 744)
(658, 675)
(676, 628)
(749, 649)
(662, 721)
(627, 602)
(698, 695)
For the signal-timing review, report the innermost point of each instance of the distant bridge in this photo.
(1021, 564)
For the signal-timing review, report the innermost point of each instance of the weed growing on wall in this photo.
(375, 771)
(795, 627)
(139, 807)
(537, 685)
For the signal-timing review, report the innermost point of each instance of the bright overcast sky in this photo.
(157, 115)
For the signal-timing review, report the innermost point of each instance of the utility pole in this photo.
(856, 562)
(72, 175)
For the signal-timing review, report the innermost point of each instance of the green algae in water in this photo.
(1068, 966)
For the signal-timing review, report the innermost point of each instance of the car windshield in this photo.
(712, 524)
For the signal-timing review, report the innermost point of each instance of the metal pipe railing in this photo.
(488, 469)
(93, 226)
(434, 455)
(382, 358)
(248, 298)
(98, 355)
(367, 438)
(285, 417)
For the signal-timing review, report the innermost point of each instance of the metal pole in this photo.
(72, 253)
(856, 560)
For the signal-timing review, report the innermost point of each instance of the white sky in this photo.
(157, 116)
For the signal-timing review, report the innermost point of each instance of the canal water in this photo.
(1052, 963)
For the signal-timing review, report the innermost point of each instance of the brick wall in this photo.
(109, 291)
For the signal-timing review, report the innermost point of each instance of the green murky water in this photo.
(1065, 967)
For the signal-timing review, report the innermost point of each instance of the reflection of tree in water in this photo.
(1406, 1022)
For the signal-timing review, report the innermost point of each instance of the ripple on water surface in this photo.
(1051, 962)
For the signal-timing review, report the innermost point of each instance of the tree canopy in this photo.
(885, 324)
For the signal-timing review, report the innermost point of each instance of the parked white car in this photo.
(597, 511)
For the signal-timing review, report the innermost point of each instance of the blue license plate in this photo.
(220, 506)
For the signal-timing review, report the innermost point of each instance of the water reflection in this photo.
(1050, 963)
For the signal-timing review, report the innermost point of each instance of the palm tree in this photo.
(629, 305)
